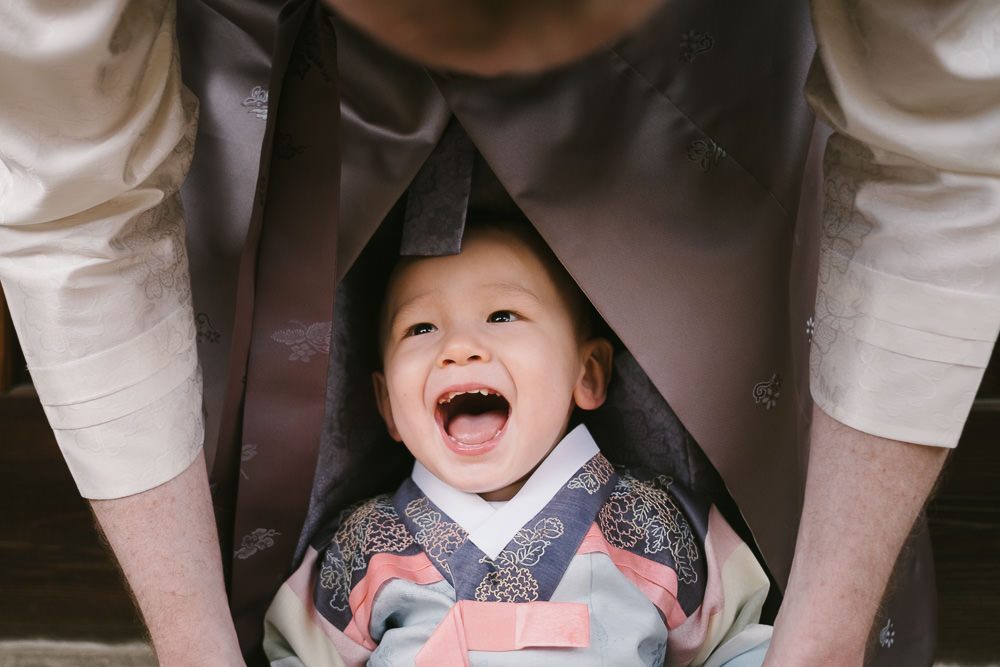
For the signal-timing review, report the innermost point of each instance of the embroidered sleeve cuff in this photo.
(128, 418)
(139, 450)
(897, 358)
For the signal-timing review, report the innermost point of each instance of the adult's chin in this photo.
(494, 37)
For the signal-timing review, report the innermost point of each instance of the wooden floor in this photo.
(57, 581)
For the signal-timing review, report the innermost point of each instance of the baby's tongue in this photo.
(476, 429)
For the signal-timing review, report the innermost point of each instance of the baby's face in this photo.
(483, 363)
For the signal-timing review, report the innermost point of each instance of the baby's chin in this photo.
(491, 487)
(503, 493)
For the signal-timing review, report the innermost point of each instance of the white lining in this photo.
(491, 529)
(466, 509)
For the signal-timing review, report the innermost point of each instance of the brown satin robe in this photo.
(674, 174)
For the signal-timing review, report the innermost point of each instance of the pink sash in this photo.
(504, 626)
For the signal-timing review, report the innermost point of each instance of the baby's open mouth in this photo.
(473, 417)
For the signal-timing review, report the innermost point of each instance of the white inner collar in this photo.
(492, 528)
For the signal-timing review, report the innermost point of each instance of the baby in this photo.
(514, 541)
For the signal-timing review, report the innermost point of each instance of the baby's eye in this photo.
(420, 329)
(503, 316)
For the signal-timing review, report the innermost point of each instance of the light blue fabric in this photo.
(625, 627)
(404, 616)
(752, 658)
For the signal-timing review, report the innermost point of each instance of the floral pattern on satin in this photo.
(256, 103)
(255, 542)
(305, 340)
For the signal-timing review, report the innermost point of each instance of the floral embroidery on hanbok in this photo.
(206, 332)
(256, 103)
(887, 635)
(247, 453)
(594, 474)
(706, 153)
(159, 258)
(333, 576)
(847, 164)
(439, 537)
(305, 340)
(286, 147)
(767, 392)
(512, 580)
(693, 44)
(642, 516)
(370, 528)
(258, 540)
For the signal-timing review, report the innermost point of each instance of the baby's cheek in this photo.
(403, 409)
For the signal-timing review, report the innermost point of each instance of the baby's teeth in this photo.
(453, 394)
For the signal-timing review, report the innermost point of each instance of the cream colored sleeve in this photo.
(96, 134)
(908, 302)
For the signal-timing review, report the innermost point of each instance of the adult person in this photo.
(72, 226)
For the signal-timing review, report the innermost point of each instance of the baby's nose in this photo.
(462, 350)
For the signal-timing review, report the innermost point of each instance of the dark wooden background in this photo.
(57, 581)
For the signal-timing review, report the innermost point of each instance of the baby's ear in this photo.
(592, 387)
(384, 406)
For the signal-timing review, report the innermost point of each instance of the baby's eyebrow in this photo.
(514, 289)
(409, 304)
